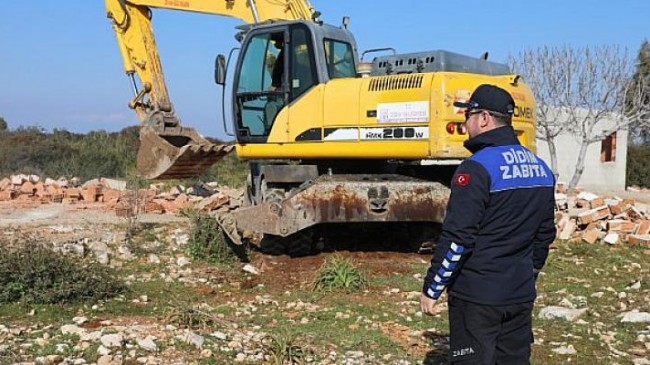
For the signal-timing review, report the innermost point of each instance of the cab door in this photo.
(262, 87)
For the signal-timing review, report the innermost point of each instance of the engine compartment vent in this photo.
(395, 82)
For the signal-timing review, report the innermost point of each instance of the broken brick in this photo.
(589, 200)
(53, 189)
(213, 202)
(590, 235)
(596, 203)
(91, 192)
(27, 188)
(621, 225)
(111, 196)
(633, 213)
(561, 220)
(72, 194)
(639, 239)
(7, 195)
(57, 198)
(592, 215)
(154, 208)
(24, 197)
(181, 200)
(643, 227)
(616, 207)
(44, 197)
(628, 202)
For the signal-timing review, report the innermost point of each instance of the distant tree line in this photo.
(31, 150)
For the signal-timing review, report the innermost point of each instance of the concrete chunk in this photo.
(553, 312)
(612, 238)
(568, 230)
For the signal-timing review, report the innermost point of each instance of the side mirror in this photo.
(220, 70)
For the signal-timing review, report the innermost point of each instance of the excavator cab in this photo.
(260, 85)
(275, 67)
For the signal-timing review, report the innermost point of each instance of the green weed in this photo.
(283, 347)
(189, 316)
(338, 273)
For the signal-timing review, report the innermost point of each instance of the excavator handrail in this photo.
(223, 96)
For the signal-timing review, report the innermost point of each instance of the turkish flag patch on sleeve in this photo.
(461, 179)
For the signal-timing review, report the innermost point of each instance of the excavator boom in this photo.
(168, 150)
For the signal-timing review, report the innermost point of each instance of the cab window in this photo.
(339, 58)
(302, 65)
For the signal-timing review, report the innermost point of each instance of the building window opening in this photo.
(608, 148)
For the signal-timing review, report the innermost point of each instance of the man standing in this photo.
(495, 238)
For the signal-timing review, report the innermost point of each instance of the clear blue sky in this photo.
(60, 66)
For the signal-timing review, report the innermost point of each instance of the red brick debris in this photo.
(587, 217)
(580, 216)
(110, 194)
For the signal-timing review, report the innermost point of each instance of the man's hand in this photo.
(428, 305)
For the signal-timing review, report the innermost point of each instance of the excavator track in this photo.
(176, 153)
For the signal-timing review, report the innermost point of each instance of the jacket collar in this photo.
(502, 136)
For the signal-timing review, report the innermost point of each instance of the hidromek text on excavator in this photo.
(330, 140)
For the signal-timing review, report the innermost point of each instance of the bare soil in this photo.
(279, 274)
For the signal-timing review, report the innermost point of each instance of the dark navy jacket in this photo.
(498, 226)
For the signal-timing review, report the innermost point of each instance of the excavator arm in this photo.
(168, 150)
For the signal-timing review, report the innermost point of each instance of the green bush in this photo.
(638, 169)
(62, 153)
(34, 274)
(208, 242)
(31, 150)
(339, 273)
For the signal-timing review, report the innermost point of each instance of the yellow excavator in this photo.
(330, 139)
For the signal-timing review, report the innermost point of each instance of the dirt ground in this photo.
(70, 223)
(35, 214)
(279, 274)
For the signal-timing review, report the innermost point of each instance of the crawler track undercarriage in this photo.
(286, 213)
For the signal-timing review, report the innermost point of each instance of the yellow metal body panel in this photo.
(350, 106)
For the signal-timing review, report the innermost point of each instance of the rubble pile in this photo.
(580, 216)
(587, 217)
(111, 194)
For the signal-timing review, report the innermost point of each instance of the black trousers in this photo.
(488, 335)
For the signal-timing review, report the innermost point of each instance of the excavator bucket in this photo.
(176, 153)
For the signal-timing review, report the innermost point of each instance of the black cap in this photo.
(491, 98)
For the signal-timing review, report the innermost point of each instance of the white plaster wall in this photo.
(597, 176)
